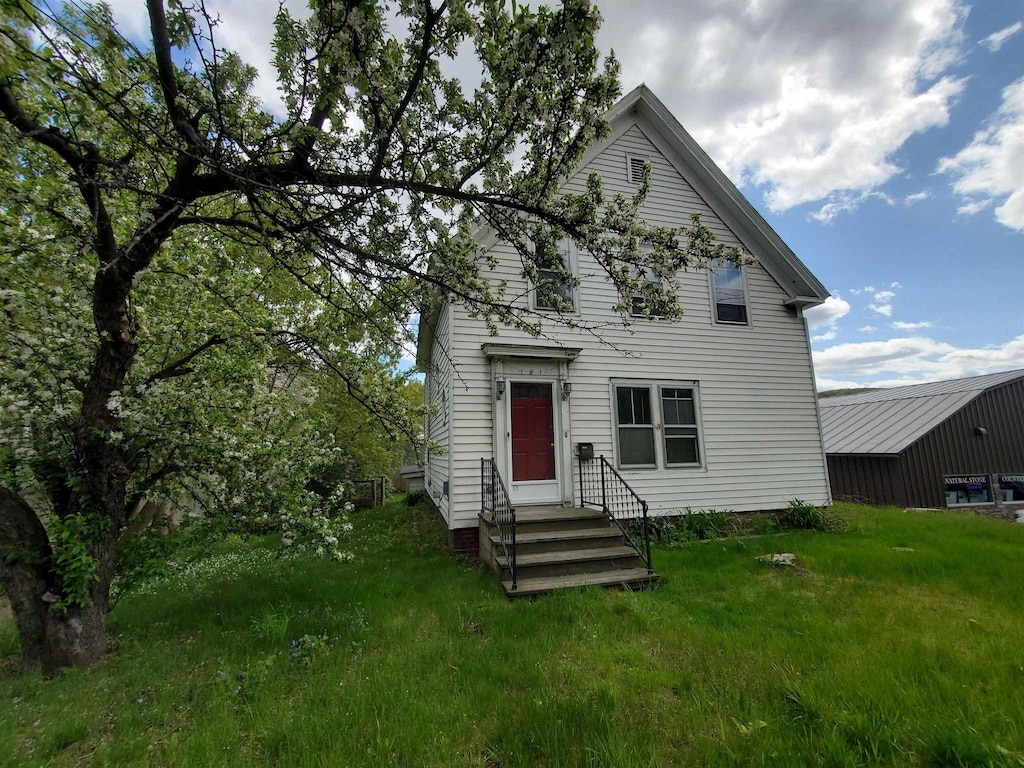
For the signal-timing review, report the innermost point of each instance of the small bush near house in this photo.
(762, 525)
(690, 526)
(804, 516)
(417, 498)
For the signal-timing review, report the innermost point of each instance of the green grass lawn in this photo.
(902, 644)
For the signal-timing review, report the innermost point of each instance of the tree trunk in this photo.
(50, 636)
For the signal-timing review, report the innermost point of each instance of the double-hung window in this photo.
(729, 289)
(638, 305)
(554, 288)
(635, 426)
(657, 424)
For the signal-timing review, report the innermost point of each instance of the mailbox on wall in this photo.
(585, 451)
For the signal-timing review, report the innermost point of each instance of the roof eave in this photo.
(801, 283)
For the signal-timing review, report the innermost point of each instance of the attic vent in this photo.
(635, 168)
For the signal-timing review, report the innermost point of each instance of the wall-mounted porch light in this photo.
(566, 389)
(499, 388)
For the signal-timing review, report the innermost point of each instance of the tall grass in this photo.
(900, 645)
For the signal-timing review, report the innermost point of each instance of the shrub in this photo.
(804, 516)
(417, 498)
(761, 525)
(690, 526)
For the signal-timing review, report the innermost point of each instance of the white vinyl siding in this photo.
(759, 434)
(437, 391)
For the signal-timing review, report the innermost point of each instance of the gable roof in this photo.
(887, 421)
(721, 195)
(641, 106)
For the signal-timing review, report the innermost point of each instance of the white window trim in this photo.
(630, 157)
(696, 425)
(654, 387)
(714, 303)
(573, 270)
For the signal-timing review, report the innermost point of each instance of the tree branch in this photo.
(180, 367)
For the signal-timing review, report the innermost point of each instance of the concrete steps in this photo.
(560, 548)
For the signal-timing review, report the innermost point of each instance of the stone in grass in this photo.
(783, 560)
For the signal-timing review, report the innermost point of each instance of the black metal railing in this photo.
(602, 487)
(495, 500)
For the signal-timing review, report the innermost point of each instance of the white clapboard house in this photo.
(545, 442)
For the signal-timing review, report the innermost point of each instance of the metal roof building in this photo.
(956, 443)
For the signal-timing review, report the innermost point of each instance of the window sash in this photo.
(730, 293)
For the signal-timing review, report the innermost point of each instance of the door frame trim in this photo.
(556, 372)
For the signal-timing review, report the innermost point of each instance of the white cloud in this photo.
(912, 360)
(826, 336)
(869, 289)
(846, 202)
(894, 284)
(867, 329)
(996, 40)
(884, 295)
(902, 326)
(824, 385)
(976, 206)
(992, 165)
(917, 197)
(881, 309)
(829, 313)
(812, 100)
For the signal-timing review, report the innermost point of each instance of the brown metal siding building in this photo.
(948, 444)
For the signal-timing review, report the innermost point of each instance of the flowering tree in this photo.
(171, 251)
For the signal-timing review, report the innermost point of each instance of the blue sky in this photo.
(884, 142)
(883, 139)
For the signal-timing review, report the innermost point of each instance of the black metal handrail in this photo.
(602, 487)
(494, 499)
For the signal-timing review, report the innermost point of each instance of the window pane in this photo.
(624, 402)
(681, 450)
(678, 406)
(642, 406)
(731, 313)
(634, 405)
(636, 445)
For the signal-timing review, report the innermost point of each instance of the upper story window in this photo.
(555, 284)
(638, 306)
(729, 289)
(635, 168)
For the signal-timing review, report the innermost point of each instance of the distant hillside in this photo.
(847, 391)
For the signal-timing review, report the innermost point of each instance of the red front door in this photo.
(533, 433)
